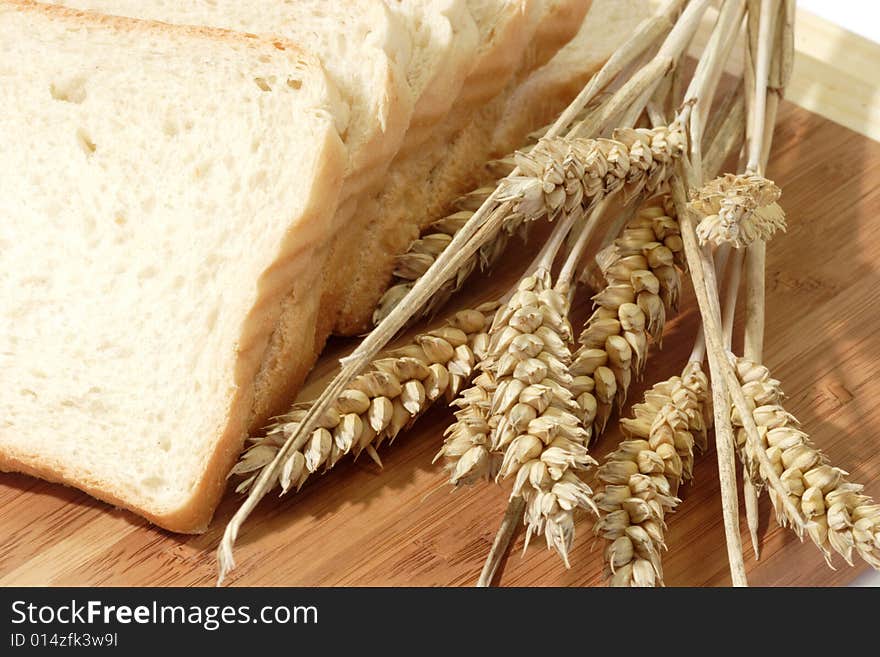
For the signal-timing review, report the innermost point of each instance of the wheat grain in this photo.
(377, 405)
(640, 480)
(642, 286)
(839, 516)
(555, 176)
(737, 209)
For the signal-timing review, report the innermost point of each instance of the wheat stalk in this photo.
(642, 476)
(841, 517)
(471, 437)
(770, 75)
(378, 404)
(554, 176)
(492, 418)
(699, 95)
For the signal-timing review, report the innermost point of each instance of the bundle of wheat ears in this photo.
(625, 180)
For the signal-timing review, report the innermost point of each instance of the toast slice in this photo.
(160, 187)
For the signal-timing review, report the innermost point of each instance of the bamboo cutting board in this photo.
(400, 525)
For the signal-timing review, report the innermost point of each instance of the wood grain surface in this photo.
(401, 525)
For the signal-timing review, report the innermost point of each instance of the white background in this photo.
(859, 16)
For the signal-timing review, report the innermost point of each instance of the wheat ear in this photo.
(583, 170)
(841, 517)
(474, 427)
(522, 406)
(737, 210)
(641, 478)
(378, 404)
(533, 414)
(643, 285)
(554, 176)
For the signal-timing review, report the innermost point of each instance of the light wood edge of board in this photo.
(835, 72)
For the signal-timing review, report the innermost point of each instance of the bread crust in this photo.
(80, 18)
(194, 514)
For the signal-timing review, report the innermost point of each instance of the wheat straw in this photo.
(778, 73)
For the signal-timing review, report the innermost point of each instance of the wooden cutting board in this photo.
(400, 525)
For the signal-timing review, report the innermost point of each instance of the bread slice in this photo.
(489, 36)
(560, 21)
(445, 38)
(160, 187)
(399, 65)
(537, 100)
(505, 28)
(364, 47)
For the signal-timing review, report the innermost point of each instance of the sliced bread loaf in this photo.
(399, 65)
(159, 189)
(421, 186)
